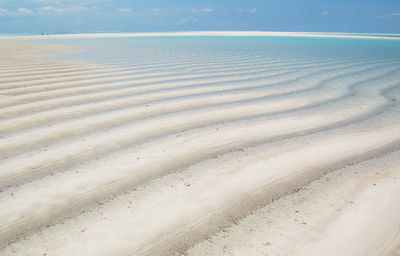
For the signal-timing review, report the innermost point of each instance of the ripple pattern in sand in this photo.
(149, 158)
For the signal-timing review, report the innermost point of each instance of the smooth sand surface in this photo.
(201, 156)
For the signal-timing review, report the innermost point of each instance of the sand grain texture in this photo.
(198, 155)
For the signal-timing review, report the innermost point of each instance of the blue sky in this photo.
(51, 16)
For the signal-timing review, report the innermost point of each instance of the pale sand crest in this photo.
(197, 157)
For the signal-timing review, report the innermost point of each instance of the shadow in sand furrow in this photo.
(304, 125)
(45, 65)
(138, 99)
(54, 69)
(232, 110)
(187, 231)
(127, 91)
(119, 74)
(36, 79)
(67, 86)
(250, 193)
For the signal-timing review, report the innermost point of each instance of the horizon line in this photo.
(389, 36)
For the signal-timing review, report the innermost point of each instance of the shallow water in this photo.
(202, 129)
(293, 48)
(241, 54)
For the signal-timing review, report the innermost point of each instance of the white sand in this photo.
(164, 158)
(352, 211)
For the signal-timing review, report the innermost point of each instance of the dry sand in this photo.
(214, 159)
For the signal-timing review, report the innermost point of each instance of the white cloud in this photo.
(156, 10)
(67, 2)
(392, 14)
(253, 10)
(124, 10)
(48, 1)
(24, 11)
(204, 10)
(19, 11)
(4, 12)
(187, 20)
(325, 13)
(52, 10)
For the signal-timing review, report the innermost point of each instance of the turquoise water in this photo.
(193, 55)
(358, 66)
(320, 60)
(151, 48)
(377, 35)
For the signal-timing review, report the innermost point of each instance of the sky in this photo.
(79, 16)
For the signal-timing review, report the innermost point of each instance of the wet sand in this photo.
(197, 157)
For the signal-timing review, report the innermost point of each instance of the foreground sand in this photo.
(197, 156)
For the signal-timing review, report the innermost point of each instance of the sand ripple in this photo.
(185, 156)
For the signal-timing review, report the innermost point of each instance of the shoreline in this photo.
(206, 33)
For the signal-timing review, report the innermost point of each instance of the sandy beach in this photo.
(198, 155)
